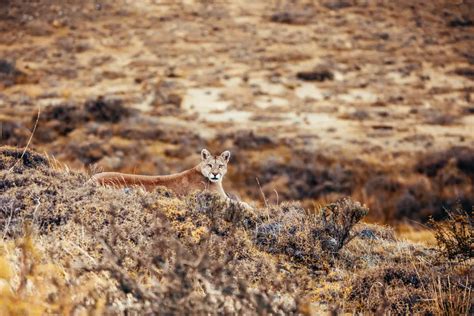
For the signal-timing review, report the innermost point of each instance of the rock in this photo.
(337, 4)
(461, 22)
(315, 75)
(302, 16)
(367, 234)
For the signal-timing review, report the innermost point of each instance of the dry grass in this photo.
(71, 247)
(415, 234)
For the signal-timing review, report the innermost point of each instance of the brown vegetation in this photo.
(136, 251)
(328, 103)
(455, 235)
(322, 102)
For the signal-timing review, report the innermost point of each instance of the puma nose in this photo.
(215, 174)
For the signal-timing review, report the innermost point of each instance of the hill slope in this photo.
(69, 247)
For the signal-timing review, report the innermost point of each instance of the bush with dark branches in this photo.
(455, 236)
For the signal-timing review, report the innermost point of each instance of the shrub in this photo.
(145, 252)
(455, 236)
(401, 289)
(184, 280)
(337, 220)
(310, 237)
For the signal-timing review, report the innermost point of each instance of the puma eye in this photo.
(210, 166)
(221, 166)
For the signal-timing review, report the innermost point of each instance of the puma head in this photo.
(214, 167)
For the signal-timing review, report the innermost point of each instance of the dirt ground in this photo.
(142, 86)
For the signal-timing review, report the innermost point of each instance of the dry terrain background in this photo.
(316, 100)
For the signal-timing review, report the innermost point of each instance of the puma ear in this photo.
(205, 154)
(226, 155)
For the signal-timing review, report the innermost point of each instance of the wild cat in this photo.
(207, 175)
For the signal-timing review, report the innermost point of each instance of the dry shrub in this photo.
(452, 297)
(9, 157)
(312, 176)
(430, 183)
(61, 119)
(337, 220)
(293, 12)
(249, 140)
(9, 74)
(64, 11)
(221, 213)
(432, 163)
(13, 132)
(394, 277)
(310, 238)
(438, 180)
(374, 232)
(455, 236)
(106, 110)
(183, 280)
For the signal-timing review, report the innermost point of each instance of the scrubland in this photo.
(317, 99)
(71, 247)
(351, 130)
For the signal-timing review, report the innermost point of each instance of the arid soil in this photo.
(317, 100)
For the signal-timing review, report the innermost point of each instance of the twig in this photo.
(36, 208)
(277, 196)
(8, 223)
(29, 140)
(421, 224)
(83, 251)
(261, 192)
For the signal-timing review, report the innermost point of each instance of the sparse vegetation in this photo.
(322, 104)
(130, 251)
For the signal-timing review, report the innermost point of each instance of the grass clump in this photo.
(420, 288)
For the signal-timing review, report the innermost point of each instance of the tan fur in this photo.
(207, 175)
